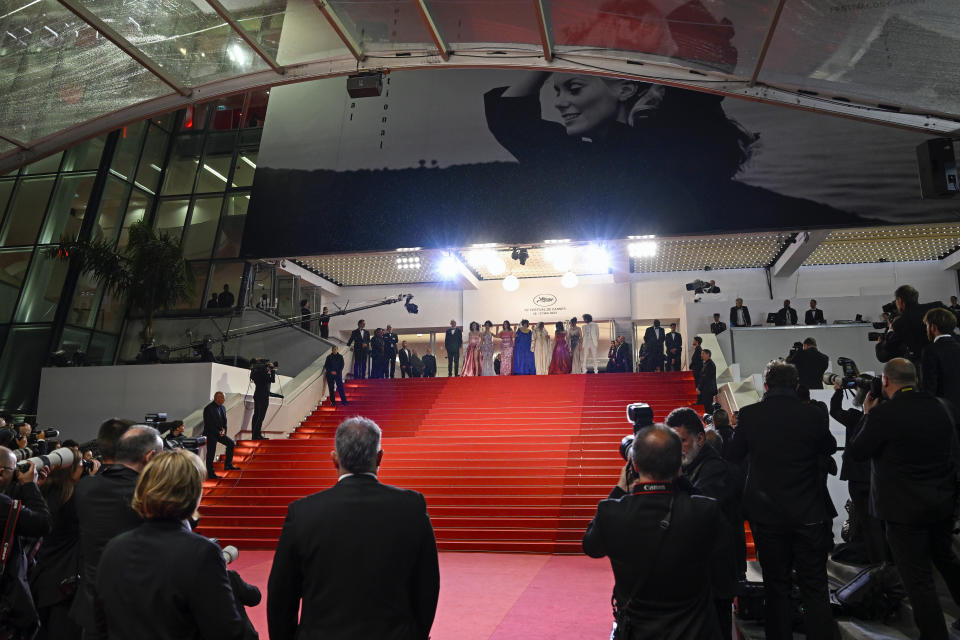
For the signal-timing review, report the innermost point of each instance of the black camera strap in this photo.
(8, 532)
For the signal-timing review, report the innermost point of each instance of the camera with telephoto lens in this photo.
(861, 383)
(640, 415)
(62, 457)
(891, 311)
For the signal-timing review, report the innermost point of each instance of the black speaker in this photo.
(365, 85)
(937, 166)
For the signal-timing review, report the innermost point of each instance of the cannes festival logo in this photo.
(544, 300)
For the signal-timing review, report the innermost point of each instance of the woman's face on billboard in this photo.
(589, 104)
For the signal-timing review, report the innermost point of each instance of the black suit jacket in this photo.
(453, 339)
(733, 317)
(696, 364)
(333, 364)
(811, 365)
(716, 328)
(941, 369)
(814, 316)
(213, 422)
(787, 444)
(360, 339)
(674, 340)
(708, 379)
(907, 337)
(912, 446)
(852, 419)
(404, 355)
(786, 316)
(624, 358)
(33, 522)
(104, 512)
(262, 379)
(163, 581)
(654, 338)
(362, 558)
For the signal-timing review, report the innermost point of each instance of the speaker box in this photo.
(367, 85)
(937, 166)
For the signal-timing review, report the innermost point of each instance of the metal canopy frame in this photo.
(767, 39)
(545, 28)
(337, 24)
(442, 46)
(240, 31)
(14, 142)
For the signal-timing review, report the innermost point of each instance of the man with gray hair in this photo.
(358, 560)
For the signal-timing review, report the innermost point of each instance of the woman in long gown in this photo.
(506, 349)
(541, 349)
(523, 361)
(575, 334)
(486, 350)
(560, 363)
(471, 357)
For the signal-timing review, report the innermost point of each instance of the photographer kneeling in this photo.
(670, 551)
(161, 580)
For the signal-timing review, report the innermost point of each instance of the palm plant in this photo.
(150, 271)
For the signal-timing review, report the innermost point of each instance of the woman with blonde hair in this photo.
(161, 580)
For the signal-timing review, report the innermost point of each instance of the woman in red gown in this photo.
(561, 361)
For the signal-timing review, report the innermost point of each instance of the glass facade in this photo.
(189, 172)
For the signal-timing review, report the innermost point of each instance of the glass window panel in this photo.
(171, 216)
(50, 164)
(165, 121)
(184, 162)
(25, 354)
(231, 228)
(4, 147)
(203, 228)
(13, 269)
(257, 108)
(110, 316)
(6, 188)
(261, 20)
(154, 151)
(246, 165)
(65, 74)
(483, 21)
(216, 168)
(128, 150)
(86, 298)
(25, 213)
(101, 349)
(386, 25)
(227, 274)
(199, 282)
(227, 113)
(137, 209)
(67, 209)
(73, 340)
(41, 292)
(112, 207)
(85, 156)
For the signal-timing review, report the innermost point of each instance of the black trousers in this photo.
(782, 550)
(405, 371)
(673, 362)
(453, 363)
(359, 364)
(335, 381)
(393, 362)
(259, 413)
(324, 331)
(212, 440)
(916, 550)
(866, 527)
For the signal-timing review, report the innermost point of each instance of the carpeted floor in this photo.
(494, 596)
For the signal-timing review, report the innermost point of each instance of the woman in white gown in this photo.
(542, 351)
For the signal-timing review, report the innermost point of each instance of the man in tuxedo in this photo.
(406, 361)
(696, 360)
(333, 577)
(810, 364)
(623, 356)
(787, 444)
(739, 314)
(813, 316)
(707, 387)
(333, 369)
(215, 429)
(654, 338)
(786, 316)
(429, 365)
(911, 442)
(717, 326)
(453, 341)
(941, 358)
(674, 342)
(390, 342)
(360, 339)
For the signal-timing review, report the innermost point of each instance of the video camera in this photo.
(853, 380)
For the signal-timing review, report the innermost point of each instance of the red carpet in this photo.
(488, 596)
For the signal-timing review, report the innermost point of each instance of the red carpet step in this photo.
(507, 464)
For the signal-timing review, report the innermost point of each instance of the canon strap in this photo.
(8, 532)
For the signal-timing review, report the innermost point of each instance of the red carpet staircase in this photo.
(512, 464)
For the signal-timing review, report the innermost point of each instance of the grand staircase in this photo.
(507, 464)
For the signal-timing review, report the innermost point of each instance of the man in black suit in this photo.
(331, 557)
(215, 429)
(360, 339)
(429, 365)
(707, 386)
(739, 314)
(390, 343)
(623, 356)
(333, 369)
(786, 316)
(717, 326)
(378, 355)
(811, 364)
(649, 528)
(225, 299)
(907, 336)
(406, 362)
(787, 444)
(954, 305)
(654, 338)
(305, 314)
(674, 344)
(104, 511)
(813, 315)
(262, 375)
(453, 341)
(696, 360)
(911, 442)
(941, 358)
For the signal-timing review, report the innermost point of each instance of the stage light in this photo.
(595, 259)
(569, 280)
(560, 256)
(448, 267)
(496, 266)
(511, 283)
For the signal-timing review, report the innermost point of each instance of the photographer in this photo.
(262, 375)
(670, 551)
(20, 503)
(906, 335)
(810, 364)
(188, 593)
(911, 443)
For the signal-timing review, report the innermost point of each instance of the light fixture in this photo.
(569, 280)
(520, 255)
(448, 267)
(511, 283)
(496, 266)
(560, 256)
(595, 259)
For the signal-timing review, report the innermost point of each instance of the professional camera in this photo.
(794, 350)
(640, 415)
(852, 379)
(62, 457)
(229, 552)
(263, 363)
(702, 286)
(890, 308)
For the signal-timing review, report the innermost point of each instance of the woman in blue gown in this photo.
(523, 361)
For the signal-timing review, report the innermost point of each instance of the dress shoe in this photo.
(231, 468)
(212, 476)
(261, 438)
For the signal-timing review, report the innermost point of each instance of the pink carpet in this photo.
(496, 596)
